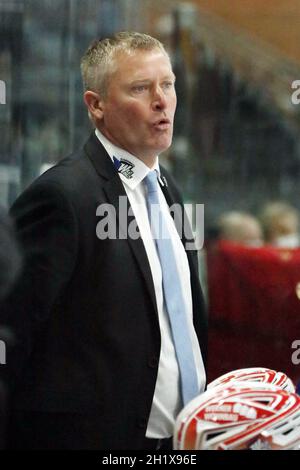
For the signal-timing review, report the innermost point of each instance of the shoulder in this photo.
(73, 178)
(68, 175)
(55, 189)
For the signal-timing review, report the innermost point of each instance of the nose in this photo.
(159, 101)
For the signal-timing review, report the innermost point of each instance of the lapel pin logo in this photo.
(125, 167)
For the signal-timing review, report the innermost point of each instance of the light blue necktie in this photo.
(173, 295)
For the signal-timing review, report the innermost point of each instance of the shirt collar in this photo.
(130, 168)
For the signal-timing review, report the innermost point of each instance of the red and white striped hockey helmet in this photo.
(243, 415)
(255, 374)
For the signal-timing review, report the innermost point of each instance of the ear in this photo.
(94, 104)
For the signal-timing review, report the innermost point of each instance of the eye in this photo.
(139, 88)
(168, 85)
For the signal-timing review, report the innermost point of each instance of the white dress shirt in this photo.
(166, 401)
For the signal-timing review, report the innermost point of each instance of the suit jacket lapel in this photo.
(113, 189)
(181, 224)
(176, 214)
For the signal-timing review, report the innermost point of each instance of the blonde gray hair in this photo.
(277, 217)
(98, 62)
(239, 227)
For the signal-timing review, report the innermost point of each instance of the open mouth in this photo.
(162, 124)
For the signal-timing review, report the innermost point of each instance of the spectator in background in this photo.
(232, 226)
(240, 227)
(280, 222)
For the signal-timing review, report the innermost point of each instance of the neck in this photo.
(148, 160)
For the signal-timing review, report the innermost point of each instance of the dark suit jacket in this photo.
(84, 367)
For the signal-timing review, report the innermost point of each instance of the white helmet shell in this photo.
(255, 374)
(243, 415)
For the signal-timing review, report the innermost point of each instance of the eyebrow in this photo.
(148, 80)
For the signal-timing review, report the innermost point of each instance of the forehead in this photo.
(140, 64)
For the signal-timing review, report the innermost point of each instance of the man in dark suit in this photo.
(94, 366)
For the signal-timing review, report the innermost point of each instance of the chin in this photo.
(164, 144)
(164, 147)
